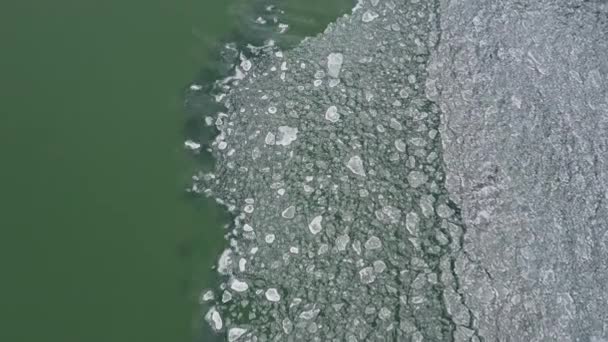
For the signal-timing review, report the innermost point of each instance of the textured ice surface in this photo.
(457, 193)
(523, 91)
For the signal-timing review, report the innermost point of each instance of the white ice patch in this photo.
(400, 145)
(272, 295)
(341, 242)
(195, 87)
(355, 165)
(214, 319)
(416, 178)
(315, 225)
(270, 139)
(287, 135)
(332, 114)
(334, 64)
(189, 144)
(367, 275)
(238, 286)
(246, 65)
(369, 16)
(225, 262)
(289, 213)
(235, 333)
(207, 296)
(269, 238)
(373, 243)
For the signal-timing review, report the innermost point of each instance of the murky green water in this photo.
(98, 240)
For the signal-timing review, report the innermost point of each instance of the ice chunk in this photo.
(270, 139)
(373, 243)
(315, 225)
(369, 16)
(341, 242)
(444, 211)
(238, 286)
(225, 262)
(273, 295)
(400, 145)
(411, 223)
(416, 178)
(289, 213)
(269, 238)
(332, 114)
(214, 319)
(379, 266)
(287, 135)
(235, 333)
(334, 64)
(189, 144)
(367, 275)
(355, 165)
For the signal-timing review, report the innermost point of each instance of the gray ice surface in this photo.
(523, 92)
(421, 171)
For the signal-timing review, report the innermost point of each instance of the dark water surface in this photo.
(98, 240)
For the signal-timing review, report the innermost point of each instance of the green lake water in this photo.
(99, 242)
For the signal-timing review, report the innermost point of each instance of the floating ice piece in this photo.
(334, 64)
(287, 325)
(226, 297)
(289, 213)
(225, 262)
(272, 295)
(238, 286)
(341, 242)
(400, 145)
(384, 313)
(246, 65)
(192, 145)
(270, 139)
(444, 211)
(269, 238)
(235, 333)
(355, 165)
(379, 266)
(283, 28)
(315, 225)
(369, 16)
(416, 178)
(332, 114)
(196, 87)
(334, 82)
(207, 296)
(373, 243)
(426, 205)
(367, 275)
(287, 135)
(411, 223)
(214, 319)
